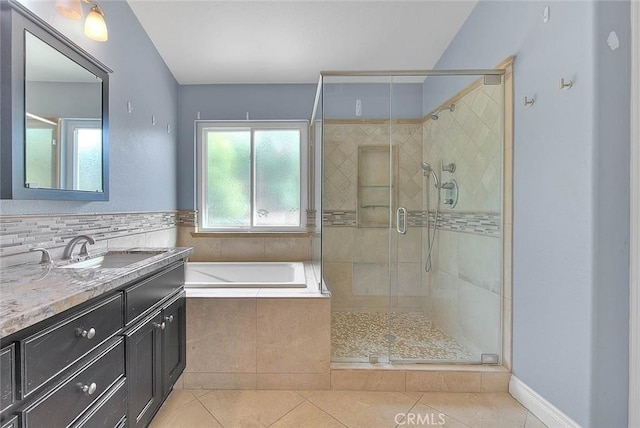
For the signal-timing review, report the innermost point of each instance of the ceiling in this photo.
(238, 41)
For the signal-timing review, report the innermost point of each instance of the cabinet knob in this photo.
(89, 389)
(169, 318)
(89, 334)
(161, 326)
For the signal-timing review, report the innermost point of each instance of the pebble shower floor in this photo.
(356, 335)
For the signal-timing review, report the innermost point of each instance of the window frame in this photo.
(201, 126)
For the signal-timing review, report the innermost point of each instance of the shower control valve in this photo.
(448, 202)
(450, 167)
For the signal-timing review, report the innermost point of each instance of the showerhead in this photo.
(436, 115)
(428, 170)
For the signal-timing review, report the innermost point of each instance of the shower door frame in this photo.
(504, 68)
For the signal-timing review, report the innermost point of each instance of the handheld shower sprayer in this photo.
(428, 170)
(431, 237)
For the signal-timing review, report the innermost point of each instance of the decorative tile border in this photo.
(339, 218)
(19, 233)
(476, 222)
(188, 218)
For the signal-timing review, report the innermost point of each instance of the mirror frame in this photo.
(15, 20)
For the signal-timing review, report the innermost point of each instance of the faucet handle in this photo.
(46, 257)
(84, 250)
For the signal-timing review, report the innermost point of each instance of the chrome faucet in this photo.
(68, 250)
(46, 257)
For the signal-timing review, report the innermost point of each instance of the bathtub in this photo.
(244, 275)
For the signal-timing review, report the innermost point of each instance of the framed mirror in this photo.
(55, 137)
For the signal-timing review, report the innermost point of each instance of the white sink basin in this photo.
(115, 259)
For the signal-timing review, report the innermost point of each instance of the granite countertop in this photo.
(32, 292)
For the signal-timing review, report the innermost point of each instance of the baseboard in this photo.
(549, 414)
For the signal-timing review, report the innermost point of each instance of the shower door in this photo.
(445, 288)
(396, 150)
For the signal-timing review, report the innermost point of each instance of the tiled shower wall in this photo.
(355, 262)
(465, 282)
(110, 230)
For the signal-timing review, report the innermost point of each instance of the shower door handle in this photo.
(401, 214)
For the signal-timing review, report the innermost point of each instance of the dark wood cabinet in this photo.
(63, 404)
(173, 341)
(156, 356)
(144, 364)
(7, 377)
(110, 362)
(10, 423)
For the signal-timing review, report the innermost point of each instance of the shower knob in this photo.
(448, 202)
(450, 167)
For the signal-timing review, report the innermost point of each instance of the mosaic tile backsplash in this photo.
(20, 233)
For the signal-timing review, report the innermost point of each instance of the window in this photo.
(251, 176)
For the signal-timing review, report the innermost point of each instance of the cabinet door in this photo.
(7, 377)
(174, 342)
(11, 423)
(143, 367)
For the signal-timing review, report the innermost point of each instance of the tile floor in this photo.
(328, 409)
(356, 335)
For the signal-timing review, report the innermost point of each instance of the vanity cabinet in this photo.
(155, 358)
(7, 377)
(174, 342)
(11, 423)
(109, 362)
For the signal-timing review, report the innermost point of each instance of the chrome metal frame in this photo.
(426, 73)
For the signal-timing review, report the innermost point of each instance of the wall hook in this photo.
(566, 84)
(528, 101)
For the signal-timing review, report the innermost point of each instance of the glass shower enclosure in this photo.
(412, 188)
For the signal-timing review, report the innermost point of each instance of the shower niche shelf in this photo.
(377, 175)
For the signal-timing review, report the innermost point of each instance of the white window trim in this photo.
(303, 125)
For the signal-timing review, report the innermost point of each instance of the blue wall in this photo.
(612, 170)
(571, 195)
(232, 102)
(143, 170)
(340, 100)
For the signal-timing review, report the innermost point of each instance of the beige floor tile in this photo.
(306, 393)
(425, 416)
(200, 392)
(413, 394)
(363, 409)
(308, 416)
(478, 410)
(533, 422)
(191, 415)
(250, 408)
(177, 399)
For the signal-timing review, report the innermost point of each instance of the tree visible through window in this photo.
(250, 176)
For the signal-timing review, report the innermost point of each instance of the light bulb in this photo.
(94, 26)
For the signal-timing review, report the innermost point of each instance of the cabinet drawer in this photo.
(52, 350)
(11, 423)
(150, 291)
(65, 403)
(7, 377)
(109, 412)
